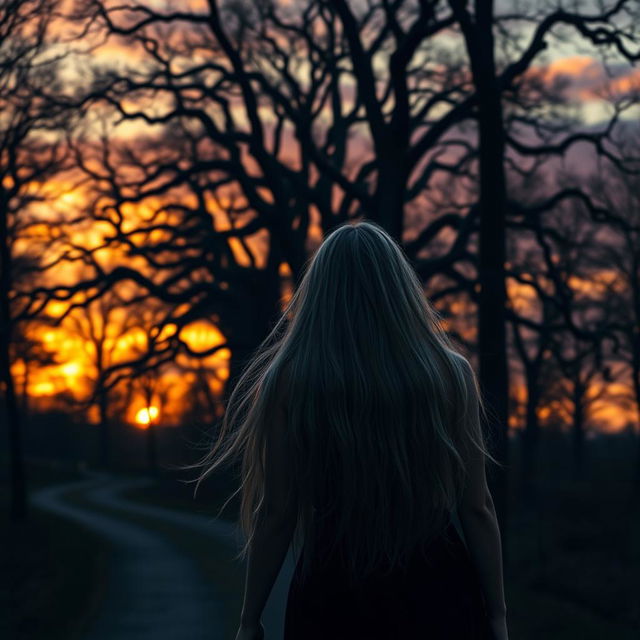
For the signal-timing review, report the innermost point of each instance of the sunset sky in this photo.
(573, 67)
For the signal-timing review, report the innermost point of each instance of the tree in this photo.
(280, 118)
(101, 325)
(566, 324)
(28, 157)
(622, 255)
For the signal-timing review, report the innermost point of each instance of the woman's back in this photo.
(358, 424)
(438, 595)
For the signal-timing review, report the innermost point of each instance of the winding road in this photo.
(154, 591)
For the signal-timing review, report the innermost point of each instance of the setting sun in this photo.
(146, 415)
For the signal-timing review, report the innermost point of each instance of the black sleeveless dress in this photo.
(437, 598)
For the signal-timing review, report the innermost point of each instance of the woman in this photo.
(358, 424)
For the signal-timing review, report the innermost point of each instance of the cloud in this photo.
(586, 79)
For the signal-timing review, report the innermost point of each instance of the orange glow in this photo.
(45, 388)
(589, 80)
(72, 370)
(200, 336)
(543, 412)
(626, 84)
(145, 415)
(574, 68)
(571, 66)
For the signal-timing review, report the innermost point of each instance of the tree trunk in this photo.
(24, 394)
(248, 325)
(637, 467)
(578, 431)
(12, 414)
(103, 409)
(636, 388)
(14, 428)
(390, 193)
(152, 448)
(530, 439)
(492, 346)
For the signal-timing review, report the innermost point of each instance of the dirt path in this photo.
(154, 590)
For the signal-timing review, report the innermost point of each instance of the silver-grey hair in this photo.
(382, 410)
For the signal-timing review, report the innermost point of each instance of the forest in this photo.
(166, 171)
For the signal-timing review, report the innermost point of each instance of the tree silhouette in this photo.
(567, 320)
(28, 158)
(622, 254)
(101, 325)
(275, 120)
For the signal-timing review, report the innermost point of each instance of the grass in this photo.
(51, 571)
(574, 568)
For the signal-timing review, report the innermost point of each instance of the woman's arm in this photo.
(482, 535)
(266, 554)
(274, 528)
(478, 518)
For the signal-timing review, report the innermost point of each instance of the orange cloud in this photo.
(572, 66)
(585, 78)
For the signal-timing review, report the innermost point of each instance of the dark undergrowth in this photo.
(51, 570)
(574, 551)
(573, 568)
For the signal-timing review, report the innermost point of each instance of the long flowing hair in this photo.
(381, 411)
